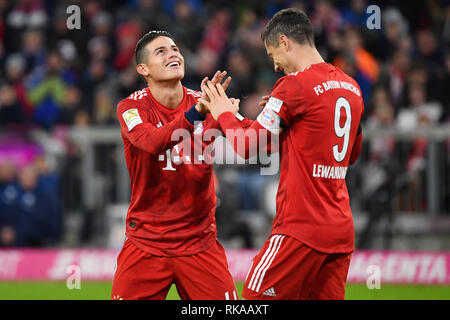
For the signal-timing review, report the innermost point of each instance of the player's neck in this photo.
(305, 57)
(169, 94)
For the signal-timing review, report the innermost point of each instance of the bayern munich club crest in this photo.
(268, 117)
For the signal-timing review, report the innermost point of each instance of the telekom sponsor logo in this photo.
(9, 263)
(41, 264)
(402, 267)
(99, 264)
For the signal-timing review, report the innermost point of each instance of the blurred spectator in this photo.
(207, 62)
(381, 117)
(48, 179)
(248, 37)
(102, 24)
(3, 9)
(127, 82)
(15, 72)
(28, 14)
(104, 108)
(213, 43)
(445, 93)
(10, 109)
(239, 68)
(355, 14)
(47, 90)
(151, 14)
(274, 6)
(428, 50)
(358, 62)
(380, 174)
(217, 31)
(249, 107)
(395, 30)
(393, 76)
(100, 50)
(33, 49)
(95, 75)
(432, 59)
(127, 35)
(37, 209)
(82, 119)
(230, 225)
(187, 25)
(170, 6)
(420, 112)
(446, 26)
(9, 193)
(325, 18)
(73, 102)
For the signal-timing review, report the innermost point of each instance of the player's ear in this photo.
(284, 42)
(142, 69)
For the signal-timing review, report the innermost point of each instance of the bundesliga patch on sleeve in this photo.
(131, 118)
(270, 120)
(274, 104)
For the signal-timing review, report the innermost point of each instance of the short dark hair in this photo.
(139, 52)
(293, 23)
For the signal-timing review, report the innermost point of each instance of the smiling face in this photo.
(279, 56)
(163, 61)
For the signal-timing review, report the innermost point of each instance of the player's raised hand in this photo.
(217, 101)
(217, 79)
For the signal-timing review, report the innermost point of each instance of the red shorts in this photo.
(285, 269)
(203, 276)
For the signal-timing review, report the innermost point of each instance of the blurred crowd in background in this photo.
(53, 79)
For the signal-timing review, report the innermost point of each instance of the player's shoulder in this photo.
(341, 75)
(138, 95)
(288, 80)
(135, 99)
(193, 93)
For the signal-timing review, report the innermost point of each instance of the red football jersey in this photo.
(321, 109)
(173, 199)
(317, 115)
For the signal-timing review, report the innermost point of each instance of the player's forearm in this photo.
(244, 136)
(156, 140)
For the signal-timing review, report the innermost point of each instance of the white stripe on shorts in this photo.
(264, 263)
(268, 265)
(261, 262)
(227, 295)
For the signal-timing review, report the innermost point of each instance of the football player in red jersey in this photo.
(171, 236)
(315, 111)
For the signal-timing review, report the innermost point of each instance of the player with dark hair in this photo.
(171, 236)
(316, 111)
